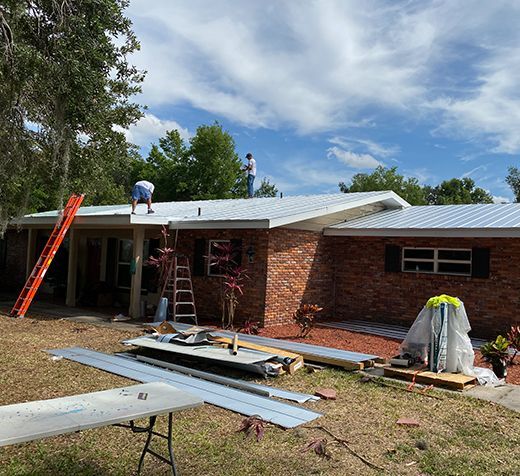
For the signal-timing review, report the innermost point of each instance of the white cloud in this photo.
(150, 128)
(499, 199)
(320, 66)
(374, 148)
(358, 161)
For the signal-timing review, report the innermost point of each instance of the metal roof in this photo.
(436, 220)
(231, 213)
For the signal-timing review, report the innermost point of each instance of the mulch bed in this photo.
(365, 343)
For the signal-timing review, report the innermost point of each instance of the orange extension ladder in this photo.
(49, 251)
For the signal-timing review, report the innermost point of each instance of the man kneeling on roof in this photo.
(142, 190)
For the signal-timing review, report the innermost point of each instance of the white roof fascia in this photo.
(149, 220)
(94, 220)
(427, 232)
(390, 200)
(218, 224)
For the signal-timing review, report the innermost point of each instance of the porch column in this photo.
(31, 251)
(72, 272)
(135, 291)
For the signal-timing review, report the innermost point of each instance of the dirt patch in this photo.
(364, 343)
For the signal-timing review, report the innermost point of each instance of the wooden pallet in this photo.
(447, 380)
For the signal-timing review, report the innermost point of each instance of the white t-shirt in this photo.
(252, 170)
(148, 185)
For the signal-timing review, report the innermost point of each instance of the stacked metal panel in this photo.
(280, 413)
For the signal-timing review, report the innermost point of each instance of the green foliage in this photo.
(64, 84)
(496, 351)
(387, 179)
(207, 168)
(456, 191)
(513, 180)
(266, 189)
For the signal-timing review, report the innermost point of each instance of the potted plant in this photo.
(497, 354)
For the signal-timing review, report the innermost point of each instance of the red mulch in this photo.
(364, 343)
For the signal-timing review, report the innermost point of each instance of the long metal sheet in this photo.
(291, 346)
(29, 421)
(266, 390)
(384, 330)
(211, 352)
(283, 414)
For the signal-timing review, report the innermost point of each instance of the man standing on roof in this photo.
(251, 174)
(142, 190)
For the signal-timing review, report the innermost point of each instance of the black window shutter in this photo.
(111, 261)
(237, 251)
(480, 263)
(199, 260)
(392, 258)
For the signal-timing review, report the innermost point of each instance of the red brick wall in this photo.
(12, 275)
(207, 288)
(364, 291)
(299, 270)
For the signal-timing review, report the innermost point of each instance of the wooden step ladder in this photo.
(49, 252)
(178, 289)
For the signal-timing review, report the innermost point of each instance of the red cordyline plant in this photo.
(253, 425)
(250, 327)
(233, 277)
(304, 317)
(163, 262)
(514, 337)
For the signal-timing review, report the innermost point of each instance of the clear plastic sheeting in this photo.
(439, 339)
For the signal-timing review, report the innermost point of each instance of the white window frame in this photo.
(436, 260)
(208, 271)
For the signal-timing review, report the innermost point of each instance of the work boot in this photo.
(150, 211)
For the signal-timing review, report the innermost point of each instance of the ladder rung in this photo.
(185, 315)
(184, 291)
(190, 303)
(182, 279)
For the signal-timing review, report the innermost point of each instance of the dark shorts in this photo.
(141, 193)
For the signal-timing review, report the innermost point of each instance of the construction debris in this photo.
(408, 422)
(326, 393)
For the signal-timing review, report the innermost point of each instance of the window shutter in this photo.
(111, 261)
(480, 263)
(155, 244)
(237, 249)
(199, 259)
(392, 259)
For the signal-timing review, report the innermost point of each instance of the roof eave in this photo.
(426, 232)
(219, 224)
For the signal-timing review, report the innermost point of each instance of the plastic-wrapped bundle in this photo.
(439, 337)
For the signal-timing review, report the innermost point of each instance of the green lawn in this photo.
(457, 435)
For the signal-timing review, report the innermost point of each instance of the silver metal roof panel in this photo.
(436, 220)
(280, 413)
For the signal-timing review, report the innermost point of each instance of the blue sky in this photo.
(321, 90)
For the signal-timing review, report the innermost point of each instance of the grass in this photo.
(458, 435)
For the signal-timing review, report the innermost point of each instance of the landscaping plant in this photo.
(253, 425)
(250, 327)
(514, 337)
(233, 277)
(305, 316)
(163, 261)
(497, 354)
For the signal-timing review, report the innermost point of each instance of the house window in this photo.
(3, 252)
(437, 260)
(218, 248)
(215, 252)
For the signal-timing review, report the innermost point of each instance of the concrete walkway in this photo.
(507, 395)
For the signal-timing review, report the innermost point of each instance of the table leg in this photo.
(150, 433)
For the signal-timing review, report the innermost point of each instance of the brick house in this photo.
(360, 256)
